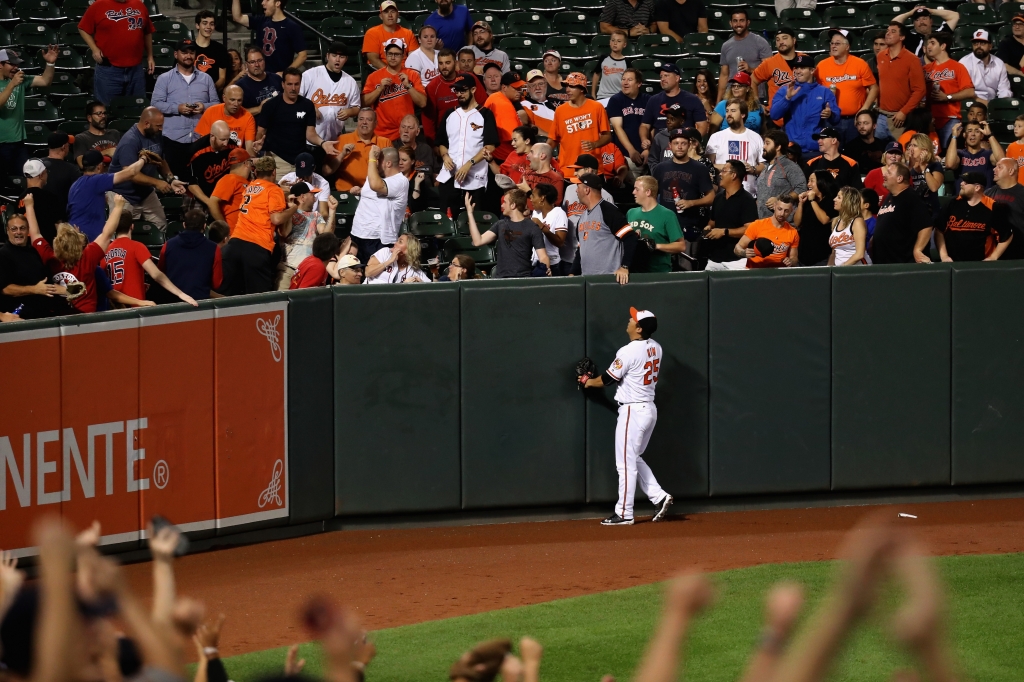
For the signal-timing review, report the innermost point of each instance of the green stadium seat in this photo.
(1005, 108)
(69, 36)
(548, 8)
(764, 27)
(127, 106)
(458, 246)
(418, 8)
(360, 8)
(311, 12)
(650, 68)
(522, 49)
(662, 46)
(806, 19)
(347, 203)
(807, 41)
(882, 13)
(727, 3)
(174, 206)
(982, 15)
(62, 86)
(1008, 9)
(68, 59)
(704, 44)
(599, 43)
(344, 27)
(73, 108)
(121, 125)
(170, 31)
(500, 7)
(718, 21)
(7, 16)
(484, 219)
(575, 24)
(586, 5)
(149, 235)
(1017, 85)
(39, 10)
(162, 62)
(847, 16)
(497, 23)
(431, 224)
(529, 24)
(5, 38)
(41, 110)
(72, 127)
(75, 9)
(34, 35)
(36, 134)
(696, 63)
(173, 229)
(571, 48)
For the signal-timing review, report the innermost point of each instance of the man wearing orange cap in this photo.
(635, 370)
(506, 117)
(388, 32)
(393, 92)
(580, 125)
(226, 199)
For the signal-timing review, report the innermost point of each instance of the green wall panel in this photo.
(678, 450)
(890, 376)
(769, 366)
(522, 417)
(987, 374)
(396, 398)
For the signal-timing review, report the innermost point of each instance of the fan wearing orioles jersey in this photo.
(635, 370)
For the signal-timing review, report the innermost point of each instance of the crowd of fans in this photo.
(81, 621)
(777, 160)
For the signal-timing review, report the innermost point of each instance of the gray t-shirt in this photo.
(754, 49)
(86, 141)
(597, 234)
(514, 247)
(781, 177)
(611, 76)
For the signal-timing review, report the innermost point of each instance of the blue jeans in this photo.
(112, 81)
(882, 127)
(946, 132)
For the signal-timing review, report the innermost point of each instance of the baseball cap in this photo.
(464, 82)
(921, 12)
(481, 24)
(300, 188)
(394, 42)
(827, 131)
(638, 315)
(33, 168)
(894, 146)
(237, 156)
(585, 161)
(839, 31)
(10, 56)
(982, 35)
(669, 67)
(304, 165)
(337, 48)
(741, 77)
(973, 178)
(1016, 17)
(677, 132)
(787, 30)
(93, 158)
(576, 79)
(764, 247)
(592, 180)
(388, 4)
(553, 53)
(801, 61)
(349, 261)
(535, 73)
(184, 45)
(692, 134)
(57, 140)
(513, 80)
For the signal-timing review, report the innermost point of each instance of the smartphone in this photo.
(160, 522)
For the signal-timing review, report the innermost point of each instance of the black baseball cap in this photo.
(894, 146)
(592, 180)
(826, 132)
(185, 45)
(973, 178)
(787, 30)
(801, 61)
(57, 140)
(337, 48)
(300, 188)
(586, 161)
(513, 79)
(304, 165)
(463, 82)
(921, 12)
(677, 132)
(492, 65)
(764, 247)
(93, 158)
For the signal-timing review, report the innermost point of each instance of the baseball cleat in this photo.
(616, 520)
(663, 506)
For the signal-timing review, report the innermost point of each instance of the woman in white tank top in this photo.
(849, 235)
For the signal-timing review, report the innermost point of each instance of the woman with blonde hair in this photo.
(73, 259)
(398, 264)
(926, 173)
(849, 236)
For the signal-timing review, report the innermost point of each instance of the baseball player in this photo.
(635, 370)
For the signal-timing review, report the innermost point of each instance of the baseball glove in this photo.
(649, 243)
(75, 289)
(585, 370)
(150, 156)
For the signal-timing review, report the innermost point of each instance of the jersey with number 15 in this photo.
(636, 368)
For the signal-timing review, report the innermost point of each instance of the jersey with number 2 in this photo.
(636, 368)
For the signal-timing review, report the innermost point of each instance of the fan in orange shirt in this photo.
(613, 163)
(1015, 150)
(228, 194)
(394, 92)
(777, 231)
(239, 120)
(580, 125)
(775, 71)
(947, 83)
(388, 32)
(501, 104)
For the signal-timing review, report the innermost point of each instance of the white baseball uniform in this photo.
(635, 368)
(329, 96)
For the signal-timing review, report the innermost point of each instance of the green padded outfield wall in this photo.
(678, 450)
(988, 373)
(396, 398)
(890, 376)
(522, 417)
(769, 368)
(311, 404)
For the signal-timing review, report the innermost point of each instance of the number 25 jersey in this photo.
(636, 368)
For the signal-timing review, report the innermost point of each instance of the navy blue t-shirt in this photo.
(978, 162)
(693, 109)
(255, 93)
(279, 40)
(87, 203)
(452, 29)
(631, 111)
(132, 142)
(689, 180)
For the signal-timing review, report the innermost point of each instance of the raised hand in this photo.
(163, 543)
(293, 665)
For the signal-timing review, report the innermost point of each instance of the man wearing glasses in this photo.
(97, 136)
(258, 85)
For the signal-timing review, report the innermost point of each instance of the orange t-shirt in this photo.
(230, 189)
(951, 77)
(852, 81)
(1015, 151)
(611, 160)
(507, 120)
(394, 103)
(775, 72)
(242, 124)
(378, 38)
(574, 125)
(352, 172)
(262, 198)
(784, 238)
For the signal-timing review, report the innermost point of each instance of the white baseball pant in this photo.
(632, 433)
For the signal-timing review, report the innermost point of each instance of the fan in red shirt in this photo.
(127, 262)
(440, 97)
(117, 32)
(517, 163)
(893, 154)
(312, 271)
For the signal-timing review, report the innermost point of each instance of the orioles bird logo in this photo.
(475, 126)
(204, 63)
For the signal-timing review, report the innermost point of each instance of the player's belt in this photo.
(639, 402)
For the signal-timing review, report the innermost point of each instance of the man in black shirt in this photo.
(685, 185)
(60, 173)
(1011, 48)
(49, 211)
(208, 161)
(515, 236)
(24, 279)
(258, 86)
(973, 227)
(676, 18)
(733, 210)
(1006, 190)
(211, 57)
(866, 149)
(904, 224)
(287, 123)
(843, 168)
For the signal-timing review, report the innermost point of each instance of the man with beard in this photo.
(258, 85)
(466, 136)
(780, 175)
(483, 48)
(240, 122)
(743, 51)
(684, 185)
(440, 97)
(973, 227)
(776, 71)
(142, 141)
(542, 172)
(334, 93)
(96, 136)
(452, 23)
(736, 141)
(182, 94)
(988, 72)
(866, 149)
(923, 27)
(209, 162)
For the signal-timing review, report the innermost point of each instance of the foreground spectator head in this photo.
(869, 201)
(350, 270)
(896, 177)
(803, 69)
(981, 44)
(255, 64)
(482, 36)
(35, 173)
(733, 174)
(195, 220)
(492, 77)
(446, 63)
(513, 200)
(185, 54)
(58, 143)
(1005, 172)
(305, 166)
(895, 34)
(922, 21)
(538, 85)
(523, 138)
(265, 167)
(785, 204)
(219, 232)
(645, 189)
(366, 122)
(679, 144)
(428, 37)
(576, 86)
(326, 245)
(94, 162)
(394, 54)
(775, 141)
(69, 244)
(552, 61)
(233, 96)
(406, 159)
(17, 234)
(220, 136)
(462, 267)
(865, 123)
(878, 42)
(389, 13)
(151, 123)
(304, 196)
(828, 141)
(739, 22)
(512, 86)
(669, 75)
(409, 130)
(467, 59)
(630, 83)
(540, 157)
(893, 153)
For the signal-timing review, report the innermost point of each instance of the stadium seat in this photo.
(529, 24)
(173, 206)
(173, 229)
(650, 67)
(39, 10)
(483, 255)
(311, 11)
(73, 108)
(1008, 9)
(162, 62)
(973, 13)
(1017, 85)
(68, 59)
(37, 135)
(347, 202)
(154, 11)
(72, 127)
(881, 14)
(575, 24)
(661, 46)
(548, 8)
(848, 17)
(497, 23)
(418, 8)
(1005, 108)
(764, 27)
(69, 36)
(169, 31)
(571, 48)
(806, 19)
(704, 44)
(63, 85)
(430, 224)
(344, 27)
(718, 21)
(75, 9)
(586, 5)
(522, 49)
(7, 16)
(34, 35)
(500, 7)
(127, 106)
(696, 64)
(599, 43)
(41, 110)
(727, 3)
(5, 38)
(484, 220)
(149, 235)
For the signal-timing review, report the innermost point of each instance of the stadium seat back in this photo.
(484, 220)
(41, 110)
(703, 44)
(148, 234)
(569, 47)
(576, 24)
(530, 24)
(38, 10)
(660, 46)
(33, 35)
(431, 224)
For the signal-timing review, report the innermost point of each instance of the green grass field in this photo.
(586, 637)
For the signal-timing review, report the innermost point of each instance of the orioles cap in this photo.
(349, 261)
(576, 79)
(638, 315)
